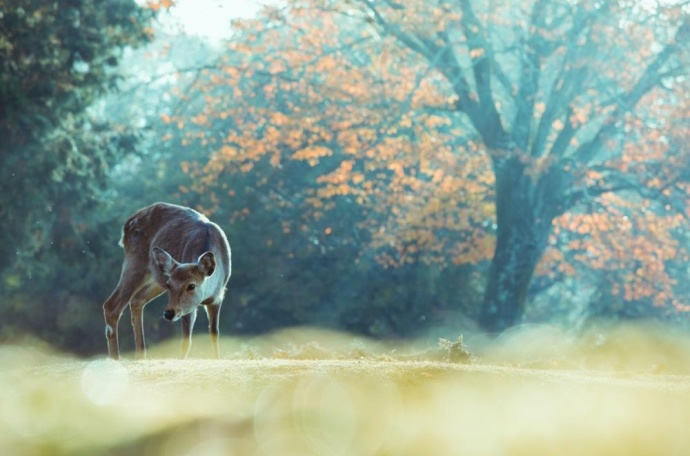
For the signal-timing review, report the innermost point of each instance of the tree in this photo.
(425, 112)
(56, 58)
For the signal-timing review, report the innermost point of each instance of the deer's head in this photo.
(184, 281)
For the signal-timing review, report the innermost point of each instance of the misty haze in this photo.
(456, 227)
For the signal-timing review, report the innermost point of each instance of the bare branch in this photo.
(567, 85)
(649, 79)
(489, 123)
(407, 39)
(535, 50)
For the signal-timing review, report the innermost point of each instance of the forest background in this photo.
(388, 168)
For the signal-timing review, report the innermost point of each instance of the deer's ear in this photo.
(207, 263)
(164, 262)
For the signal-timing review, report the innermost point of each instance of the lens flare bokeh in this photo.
(621, 390)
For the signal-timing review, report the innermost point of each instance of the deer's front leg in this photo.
(213, 312)
(187, 328)
(136, 307)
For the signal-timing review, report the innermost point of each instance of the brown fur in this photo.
(185, 235)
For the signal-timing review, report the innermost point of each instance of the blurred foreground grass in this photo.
(534, 391)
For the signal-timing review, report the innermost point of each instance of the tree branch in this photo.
(489, 123)
(649, 79)
(407, 39)
(566, 86)
(619, 181)
(529, 77)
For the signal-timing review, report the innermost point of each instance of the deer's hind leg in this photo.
(132, 279)
(147, 293)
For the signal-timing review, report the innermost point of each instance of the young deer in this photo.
(175, 249)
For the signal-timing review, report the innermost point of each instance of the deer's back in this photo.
(181, 231)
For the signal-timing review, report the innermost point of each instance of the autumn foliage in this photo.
(535, 135)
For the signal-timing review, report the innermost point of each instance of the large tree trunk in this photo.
(523, 217)
(512, 267)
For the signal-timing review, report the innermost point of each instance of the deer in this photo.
(173, 249)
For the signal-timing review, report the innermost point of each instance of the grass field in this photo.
(616, 391)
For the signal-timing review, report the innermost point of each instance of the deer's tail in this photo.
(130, 227)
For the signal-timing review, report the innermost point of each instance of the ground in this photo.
(623, 391)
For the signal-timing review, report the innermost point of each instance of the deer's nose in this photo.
(169, 314)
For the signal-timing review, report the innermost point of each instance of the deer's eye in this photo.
(191, 287)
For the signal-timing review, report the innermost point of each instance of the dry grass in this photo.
(620, 391)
